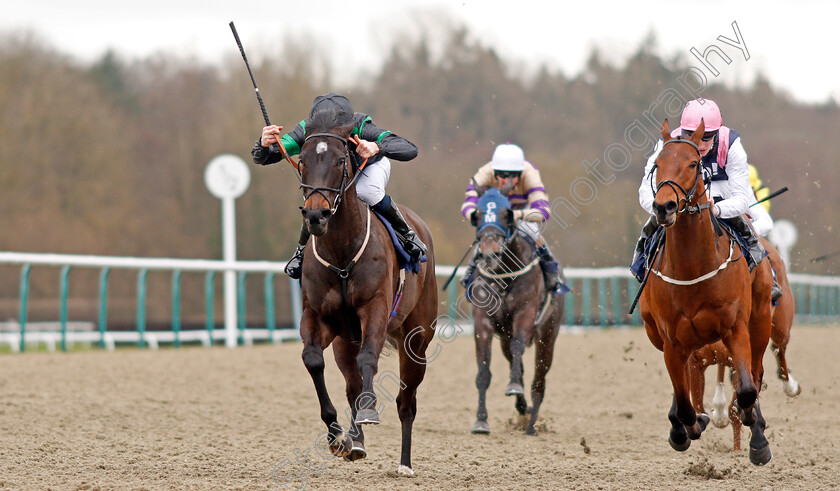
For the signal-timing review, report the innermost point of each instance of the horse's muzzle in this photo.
(316, 220)
(666, 214)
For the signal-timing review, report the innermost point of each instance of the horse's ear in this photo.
(666, 130)
(697, 136)
(346, 129)
(475, 218)
(509, 217)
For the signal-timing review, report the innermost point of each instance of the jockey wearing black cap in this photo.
(374, 144)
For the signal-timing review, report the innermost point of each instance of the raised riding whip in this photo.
(259, 96)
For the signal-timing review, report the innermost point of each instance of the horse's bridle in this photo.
(687, 207)
(339, 191)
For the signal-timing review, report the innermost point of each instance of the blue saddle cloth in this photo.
(405, 261)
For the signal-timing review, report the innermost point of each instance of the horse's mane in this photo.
(323, 121)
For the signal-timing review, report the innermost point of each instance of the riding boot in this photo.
(294, 267)
(412, 244)
(742, 226)
(551, 271)
(468, 274)
(637, 266)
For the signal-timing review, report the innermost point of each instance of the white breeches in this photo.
(530, 229)
(371, 184)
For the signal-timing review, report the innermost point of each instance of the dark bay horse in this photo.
(717, 354)
(509, 300)
(350, 280)
(702, 292)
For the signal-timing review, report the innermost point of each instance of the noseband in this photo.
(344, 175)
(687, 207)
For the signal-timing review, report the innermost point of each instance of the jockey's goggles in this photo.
(707, 136)
(505, 174)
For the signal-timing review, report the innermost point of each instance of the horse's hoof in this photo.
(405, 470)
(514, 389)
(680, 447)
(530, 431)
(760, 456)
(358, 452)
(792, 388)
(481, 428)
(719, 418)
(367, 417)
(342, 444)
(703, 421)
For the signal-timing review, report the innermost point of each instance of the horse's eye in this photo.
(693, 165)
(342, 161)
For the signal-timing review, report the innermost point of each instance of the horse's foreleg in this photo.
(736, 424)
(719, 400)
(759, 446)
(483, 349)
(789, 384)
(345, 357)
(313, 359)
(544, 357)
(373, 319)
(697, 380)
(684, 421)
(412, 372)
(520, 404)
(737, 341)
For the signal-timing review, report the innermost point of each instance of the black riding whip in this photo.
(458, 265)
(259, 97)
(769, 196)
(823, 258)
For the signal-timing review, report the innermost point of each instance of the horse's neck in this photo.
(518, 254)
(346, 231)
(692, 247)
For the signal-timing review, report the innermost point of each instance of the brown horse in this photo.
(510, 301)
(717, 354)
(701, 293)
(350, 279)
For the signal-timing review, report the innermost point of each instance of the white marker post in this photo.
(784, 236)
(227, 177)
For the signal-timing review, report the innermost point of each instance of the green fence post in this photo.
(103, 302)
(813, 309)
(268, 291)
(586, 300)
(615, 291)
(241, 306)
(602, 301)
(24, 298)
(141, 306)
(632, 291)
(569, 310)
(176, 306)
(64, 290)
(208, 303)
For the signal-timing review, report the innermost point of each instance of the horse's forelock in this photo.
(325, 121)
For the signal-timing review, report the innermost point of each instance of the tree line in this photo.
(108, 157)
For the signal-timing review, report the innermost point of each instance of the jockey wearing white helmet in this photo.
(528, 199)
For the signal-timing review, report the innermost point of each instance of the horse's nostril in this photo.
(670, 207)
(326, 213)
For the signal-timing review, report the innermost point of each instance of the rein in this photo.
(512, 274)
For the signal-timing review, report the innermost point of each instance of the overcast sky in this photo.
(794, 46)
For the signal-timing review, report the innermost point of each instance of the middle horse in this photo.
(510, 300)
(701, 293)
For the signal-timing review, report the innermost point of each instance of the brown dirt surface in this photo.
(199, 418)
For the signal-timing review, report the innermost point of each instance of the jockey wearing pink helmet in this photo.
(725, 171)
